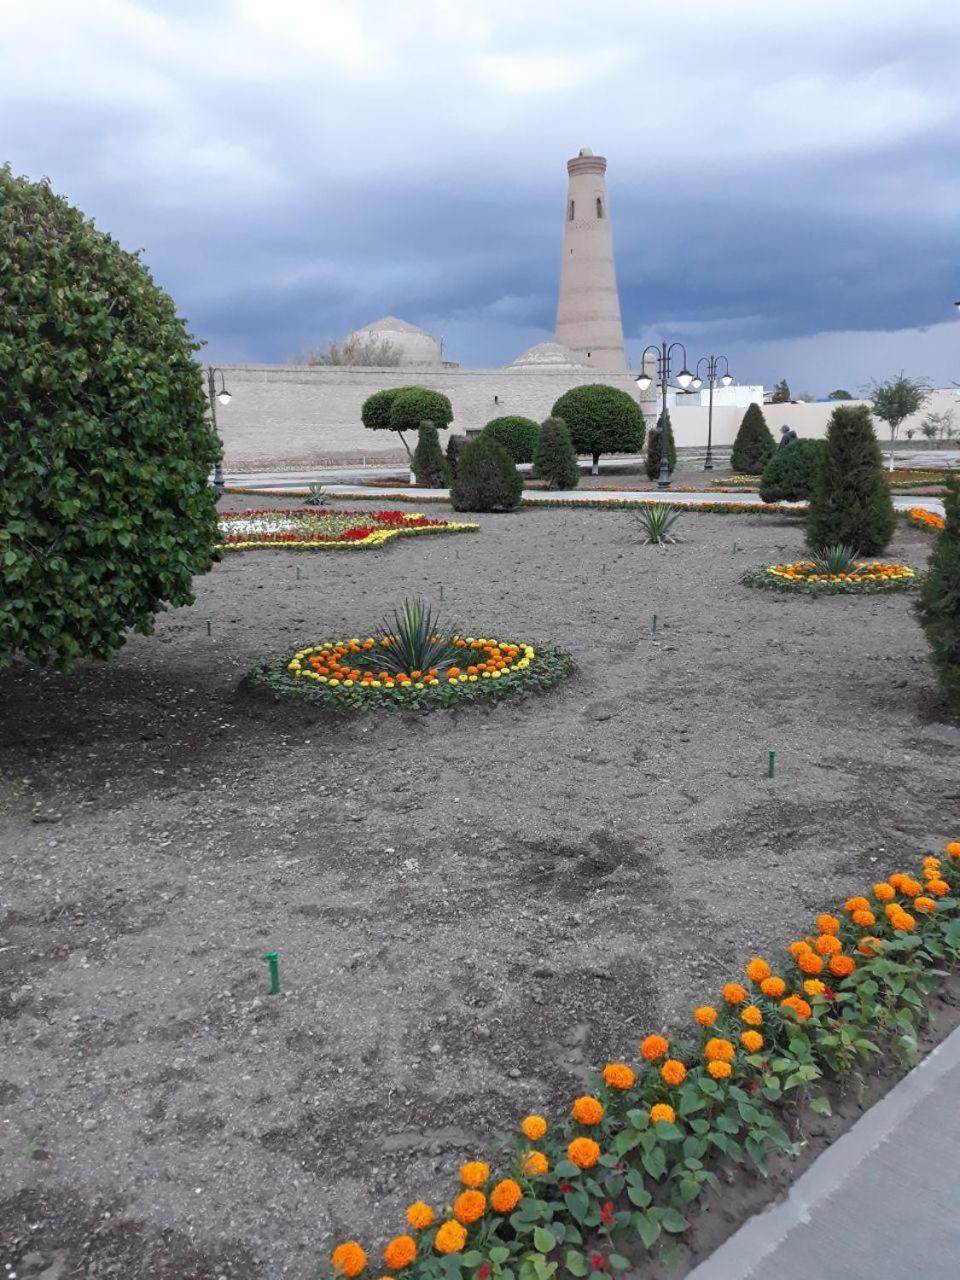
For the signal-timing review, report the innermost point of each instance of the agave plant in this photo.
(835, 559)
(657, 519)
(415, 642)
(315, 497)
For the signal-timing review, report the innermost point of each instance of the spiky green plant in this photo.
(657, 519)
(315, 497)
(415, 640)
(836, 559)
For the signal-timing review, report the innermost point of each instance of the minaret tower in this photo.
(588, 312)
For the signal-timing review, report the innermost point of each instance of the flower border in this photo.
(375, 539)
(928, 521)
(776, 577)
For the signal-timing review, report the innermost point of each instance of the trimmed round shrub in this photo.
(517, 435)
(455, 446)
(654, 446)
(791, 473)
(402, 409)
(554, 459)
(487, 478)
(375, 411)
(601, 419)
(754, 445)
(939, 605)
(851, 503)
(106, 511)
(428, 464)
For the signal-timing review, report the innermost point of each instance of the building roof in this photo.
(416, 347)
(549, 355)
(392, 324)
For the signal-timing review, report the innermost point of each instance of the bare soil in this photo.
(470, 907)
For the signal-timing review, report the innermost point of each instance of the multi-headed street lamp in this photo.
(713, 364)
(224, 396)
(644, 380)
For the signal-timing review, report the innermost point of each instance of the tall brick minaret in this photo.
(588, 312)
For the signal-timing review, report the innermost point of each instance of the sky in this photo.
(784, 179)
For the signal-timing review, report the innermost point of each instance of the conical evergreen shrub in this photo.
(554, 459)
(754, 445)
(851, 501)
(487, 478)
(790, 475)
(428, 463)
(455, 446)
(653, 447)
(939, 605)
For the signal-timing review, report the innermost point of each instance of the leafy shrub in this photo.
(554, 459)
(791, 473)
(402, 409)
(375, 411)
(106, 513)
(455, 446)
(654, 447)
(428, 464)
(601, 419)
(851, 500)
(939, 604)
(487, 479)
(517, 435)
(754, 445)
(657, 521)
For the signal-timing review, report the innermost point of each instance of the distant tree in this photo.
(359, 349)
(662, 431)
(554, 459)
(754, 445)
(896, 400)
(517, 435)
(851, 502)
(805, 397)
(839, 394)
(601, 419)
(938, 426)
(781, 393)
(428, 463)
(939, 604)
(487, 478)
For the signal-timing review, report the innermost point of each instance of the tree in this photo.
(754, 445)
(781, 393)
(851, 501)
(663, 428)
(939, 605)
(402, 409)
(840, 394)
(554, 459)
(938, 426)
(358, 349)
(897, 399)
(106, 511)
(428, 464)
(455, 446)
(790, 475)
(487, 478)
(601, 419)
(517, 435)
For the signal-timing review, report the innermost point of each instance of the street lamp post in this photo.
(713, 363)
(643, 381)
(224, 396)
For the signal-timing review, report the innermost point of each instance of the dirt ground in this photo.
(469, 907)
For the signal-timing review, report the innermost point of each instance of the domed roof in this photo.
(549, 355)
(416, 346)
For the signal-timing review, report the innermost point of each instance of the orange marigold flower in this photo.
(903, 922)
(863, 919)
(757, 969)
(910, 887)
(856, 904)
(828, 945)
(774, 987)
(705, 1015)
(809, 962)
(869, 946)
(348, 1258)
(662, 1112)
(720, 1070)
(897, 880)
(533, 1127)
(587, 1110)
(751, 1015)
(469, 1206)
(505, 1196)
(884, 892)
(937, 887)
(420, 1216)
(450, 1238)
(842, 966)
(828, 924)
(583, 1152)
(953, 848)
(798, 1005)
(400, 1252)
(534, 1164)
(673, 1072)
(474, 1173)
(798, 948)
(814, 987)
(752, 1041)
(654, 1048)
(924, 904)
(618, 1075)
(733, 993)
(892, 909)
(718, 1050)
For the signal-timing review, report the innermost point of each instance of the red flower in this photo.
(606, 1213)
(566, 1187)
(831, 995)
(485, 1272)
(598, 1261)
(752, 1087)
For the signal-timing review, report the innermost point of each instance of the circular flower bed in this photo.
(864, 577)
(319, 528)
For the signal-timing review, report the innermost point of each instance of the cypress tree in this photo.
(487, 478)
(428, 463)
(939, 605)
(754, 445)
(653, 447)
(790, 475)
(554, 459)
(455, 446)
(851, 501)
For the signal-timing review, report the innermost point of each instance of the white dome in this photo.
(416, 346)
(549, 355)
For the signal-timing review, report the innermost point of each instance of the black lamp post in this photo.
(713, 364)
(224, 396)
(643, 381)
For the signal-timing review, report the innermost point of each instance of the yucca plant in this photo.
(315, 497)
(657, 519)
(415, 640)
(836, 559)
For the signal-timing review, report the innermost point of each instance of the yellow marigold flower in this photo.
(420, 1216)
(474, 1173)
(505, 1196)
(718, 1050)
(903, 922)
(654, 1048)
(828, 945)
(673, 1072)
(587, 1110)
(814, 987)
(733, 993)
(798, 1005)
(863, 919)
(752, 1041)
(924, 904)
(937, 887)
(618, 1075)
(400, 1252)
(809, 962)
(757, 969)
(869, 946)
(662, 1112)
(534, 1164)
(720, 1070)
(828, 924)
(774, 987)
(856, 904)
(842, 966)
(450, 1238)
(533, 1127)
(705, 1015)
(953, 848)
(469, 1206)
(583, 1152)
(752, 1016)
(884, 892)
(349, 1259)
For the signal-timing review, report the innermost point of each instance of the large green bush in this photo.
(601, 419)
(428, 464)
(754, 446)
(851, 501)
(791, 473)
(106, 512)
(402, 409)
(487, 478)
(663, 430)
(939, 604)
(517, 435)
(554, 459)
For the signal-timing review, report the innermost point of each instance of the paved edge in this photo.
(740, 1256)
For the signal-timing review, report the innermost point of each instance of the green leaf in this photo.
(673, 1221)
(821, 1105)
(618, 1262)
(499, 1254)
(639, 1196)
(576, 1263)
(544, 1240)
(648, 1229)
